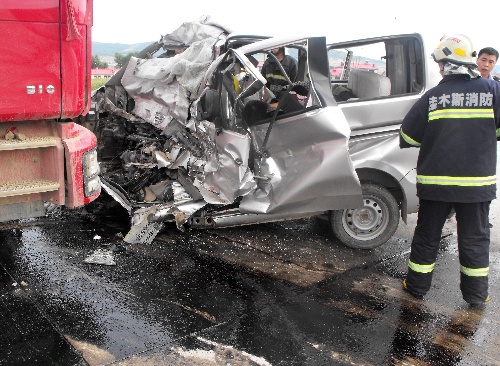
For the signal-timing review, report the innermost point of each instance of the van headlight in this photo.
(91, 170)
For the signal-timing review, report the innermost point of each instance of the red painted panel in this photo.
(30, 10)
(76, 57)
(74, 71)
(77, 140)
(30, 58)
(81, 10)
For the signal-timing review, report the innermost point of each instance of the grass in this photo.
(97, 83)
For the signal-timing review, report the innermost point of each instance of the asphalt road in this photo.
(273, 294)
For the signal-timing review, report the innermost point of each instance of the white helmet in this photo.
(456, 49)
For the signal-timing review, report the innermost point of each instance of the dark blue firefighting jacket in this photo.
(456, 125)
(272, 72)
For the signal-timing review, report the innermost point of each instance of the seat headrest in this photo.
(368, 84)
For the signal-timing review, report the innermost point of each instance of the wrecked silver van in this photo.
(195, 137)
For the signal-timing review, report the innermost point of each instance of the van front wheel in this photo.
(370, 226)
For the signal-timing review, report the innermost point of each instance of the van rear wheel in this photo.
(370, 226)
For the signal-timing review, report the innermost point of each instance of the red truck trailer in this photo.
(46, 158)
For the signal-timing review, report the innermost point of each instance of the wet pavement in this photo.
(272, 294)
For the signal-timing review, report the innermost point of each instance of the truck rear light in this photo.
(92, 186)
(91, 171)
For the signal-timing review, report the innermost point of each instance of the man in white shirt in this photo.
(486, 62)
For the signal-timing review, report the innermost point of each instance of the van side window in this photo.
(376, 69)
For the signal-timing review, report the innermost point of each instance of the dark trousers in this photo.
(473, 246)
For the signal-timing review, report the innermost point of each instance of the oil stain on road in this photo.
(272, 294)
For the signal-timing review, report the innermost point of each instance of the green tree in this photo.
(121, 59)
(97, 63)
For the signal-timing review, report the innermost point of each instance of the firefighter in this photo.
(456, 126)
(276, 81)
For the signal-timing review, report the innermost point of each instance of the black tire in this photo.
(370, 226)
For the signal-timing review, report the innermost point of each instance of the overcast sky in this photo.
(133, 21)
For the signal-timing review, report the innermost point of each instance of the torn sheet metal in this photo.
(164, 87)
(229, 176)
(143, 231)
(191, 32)
(148, 221)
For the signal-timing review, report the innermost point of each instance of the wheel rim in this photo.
(368, 222)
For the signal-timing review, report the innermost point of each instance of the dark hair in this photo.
(255, 110)
(489, 51)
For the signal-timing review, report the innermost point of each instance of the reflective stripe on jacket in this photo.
(273, 74)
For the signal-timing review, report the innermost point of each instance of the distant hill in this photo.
(106, 51)
(109, 49)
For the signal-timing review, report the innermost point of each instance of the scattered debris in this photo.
(101, 256)
(9, 135)
(13, 133)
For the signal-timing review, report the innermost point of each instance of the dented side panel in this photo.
(309, 166)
